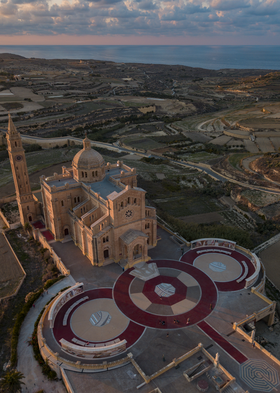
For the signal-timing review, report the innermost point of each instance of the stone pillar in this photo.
(216, 361)
(83, 240)
(253, 334)
(271, 318)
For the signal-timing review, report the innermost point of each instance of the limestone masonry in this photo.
(98, 205)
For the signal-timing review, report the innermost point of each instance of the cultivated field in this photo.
(11, 272)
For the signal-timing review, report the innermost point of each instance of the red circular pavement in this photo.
(201, 310)
(228, 286)
(131, 334)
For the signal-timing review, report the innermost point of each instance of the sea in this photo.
(213, 57)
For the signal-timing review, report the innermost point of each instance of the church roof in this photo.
(88, 158)
(132, 234)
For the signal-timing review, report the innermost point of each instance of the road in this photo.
(198, 166)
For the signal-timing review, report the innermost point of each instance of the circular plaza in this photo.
(163, 294)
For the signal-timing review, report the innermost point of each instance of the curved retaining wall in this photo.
(57, 362)
(61, 299)
(208, 242)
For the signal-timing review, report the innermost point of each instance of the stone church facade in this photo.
(100, 206)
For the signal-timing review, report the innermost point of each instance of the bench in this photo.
(214, 250)
(64, 323)
(244, 275)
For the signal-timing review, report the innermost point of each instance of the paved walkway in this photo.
(34, 379)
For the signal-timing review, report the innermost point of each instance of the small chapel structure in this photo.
(97, 204)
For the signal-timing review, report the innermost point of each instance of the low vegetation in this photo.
(13, 310)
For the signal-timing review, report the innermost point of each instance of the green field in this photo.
(235, 159)
(142, 143)
(37, 161)
(188, 204)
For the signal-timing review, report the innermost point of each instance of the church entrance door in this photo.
(66, 231)
(106, 253)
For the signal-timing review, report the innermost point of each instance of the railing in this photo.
(253, 278)
(213, 242)
(97, 351)
(244, 275)
(56, 362)
(199, 243)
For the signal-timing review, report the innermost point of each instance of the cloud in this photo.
(200, 18)
(227, 5)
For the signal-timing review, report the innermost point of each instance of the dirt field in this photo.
(206, 218)
(265, 145)
(270, 259)
(10, 270)
(258, 123)
(26, 93)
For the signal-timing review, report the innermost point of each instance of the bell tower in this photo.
(26, 203)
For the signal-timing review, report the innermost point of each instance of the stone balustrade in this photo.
(96, 351)
(62, 299)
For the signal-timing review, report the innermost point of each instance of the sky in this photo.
(143, 22)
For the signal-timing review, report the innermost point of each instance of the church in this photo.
(97, 204)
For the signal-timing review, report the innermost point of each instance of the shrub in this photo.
(22, 314)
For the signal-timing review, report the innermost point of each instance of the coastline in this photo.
(197, 56)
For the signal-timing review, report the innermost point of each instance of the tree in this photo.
(27, 227)
(12, 381)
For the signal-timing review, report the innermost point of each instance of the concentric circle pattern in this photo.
(223, 265)
(194, 297)
(110, 322)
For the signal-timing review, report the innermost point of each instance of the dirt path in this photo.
(247, 161)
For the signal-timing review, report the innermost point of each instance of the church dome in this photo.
(88, 158)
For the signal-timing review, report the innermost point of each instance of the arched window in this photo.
(96, 174)
(78, 199)
(92, 173)
(27, 207)
(85, 174)
(121, 204)
(82, 174)
(147, 226)
(75, 200)
(104, 240)
(15, 144)
(62, 203)
(135, 201)
(128, 200)
(107, 238)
